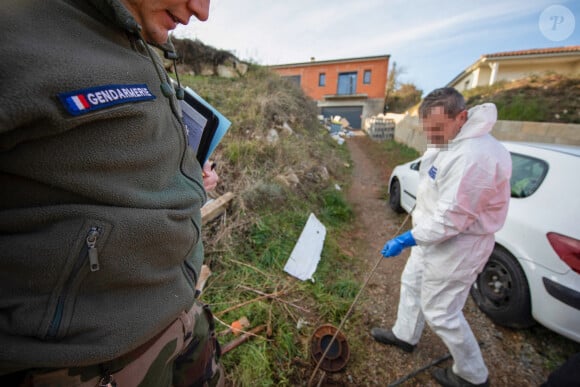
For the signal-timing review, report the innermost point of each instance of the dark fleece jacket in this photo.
(89, 176)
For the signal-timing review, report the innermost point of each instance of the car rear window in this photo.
(527, 175)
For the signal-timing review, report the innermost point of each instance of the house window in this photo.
(322, 79)
(367, 77)
(346, 83)
(293, 78)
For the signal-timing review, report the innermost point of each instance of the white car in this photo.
(533, 273)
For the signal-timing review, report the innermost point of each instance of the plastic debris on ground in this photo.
(305, 256)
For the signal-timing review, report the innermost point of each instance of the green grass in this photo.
(264, 251)
(520, 108)
(399, 153)
(255, 260)
(335, 210)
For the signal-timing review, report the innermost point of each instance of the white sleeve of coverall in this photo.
(464, 189)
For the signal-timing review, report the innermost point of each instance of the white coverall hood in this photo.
(480, 121)
(462, 200)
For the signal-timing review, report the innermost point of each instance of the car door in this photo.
(409, 186)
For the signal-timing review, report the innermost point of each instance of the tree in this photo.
(404, 97)
(392, 84)
(399, 97)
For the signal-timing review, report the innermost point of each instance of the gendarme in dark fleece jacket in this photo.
(100, 196)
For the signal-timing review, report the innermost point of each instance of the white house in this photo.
(512, 65)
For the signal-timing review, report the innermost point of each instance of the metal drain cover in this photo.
(338, 354)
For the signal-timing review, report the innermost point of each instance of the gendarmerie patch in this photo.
(95, 98)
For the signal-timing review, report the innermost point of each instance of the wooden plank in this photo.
(242, 339)
(216, 207)
(203, 276)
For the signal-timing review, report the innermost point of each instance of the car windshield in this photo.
(527, 175)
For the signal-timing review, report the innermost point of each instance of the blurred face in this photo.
(440, 128)
(158, 17)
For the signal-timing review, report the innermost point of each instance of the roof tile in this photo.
(538, 51)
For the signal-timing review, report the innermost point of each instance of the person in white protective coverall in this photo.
(462, 201)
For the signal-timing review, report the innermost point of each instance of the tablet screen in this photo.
(200, 123)
(194, 125)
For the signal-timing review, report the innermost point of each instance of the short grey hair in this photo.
(452, 101)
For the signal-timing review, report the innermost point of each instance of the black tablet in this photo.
(200, 123)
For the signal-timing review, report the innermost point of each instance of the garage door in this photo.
(351, 113)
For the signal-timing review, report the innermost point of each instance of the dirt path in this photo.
(510, 356)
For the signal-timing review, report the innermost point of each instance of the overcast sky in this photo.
(431, 41)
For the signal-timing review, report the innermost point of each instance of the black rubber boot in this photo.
(447, 378)
(386, 336)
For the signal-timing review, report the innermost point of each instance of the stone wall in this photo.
(408, 132)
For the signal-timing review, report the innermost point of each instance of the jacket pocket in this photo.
(84, 260)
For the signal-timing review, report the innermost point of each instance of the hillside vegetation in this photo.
(547, 98)
(282, 165)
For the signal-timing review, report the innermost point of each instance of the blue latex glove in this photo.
(395, 246)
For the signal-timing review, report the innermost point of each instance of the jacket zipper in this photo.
(91, 243)
(89, 249)
(174, 106)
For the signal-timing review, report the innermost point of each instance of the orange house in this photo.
(352, 88)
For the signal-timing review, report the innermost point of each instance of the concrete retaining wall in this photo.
(409, 132)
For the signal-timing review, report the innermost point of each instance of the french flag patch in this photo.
(95, 98)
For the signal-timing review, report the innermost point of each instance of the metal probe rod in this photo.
(418, 371)
(351, 308)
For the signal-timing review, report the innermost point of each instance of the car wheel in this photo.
(501, 291)
(395, 197)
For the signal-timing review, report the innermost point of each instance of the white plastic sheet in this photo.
(306, 253)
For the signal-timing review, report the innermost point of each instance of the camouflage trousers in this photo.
(185, 354)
